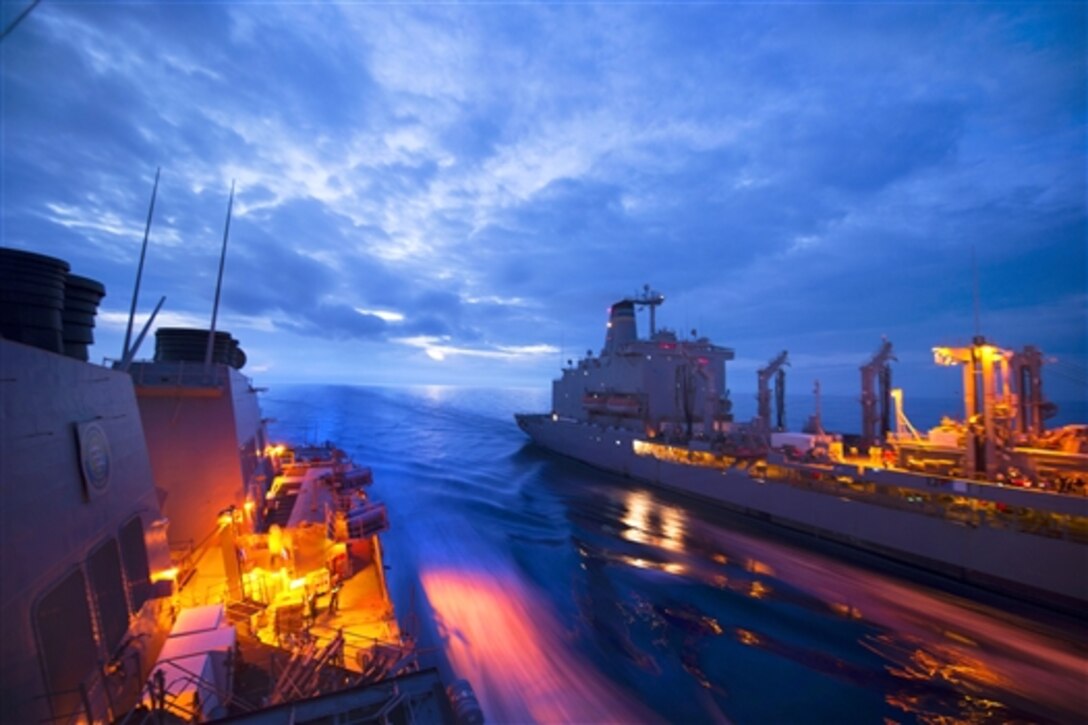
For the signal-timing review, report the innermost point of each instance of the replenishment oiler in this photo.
(996, 501)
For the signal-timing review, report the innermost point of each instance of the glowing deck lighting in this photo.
(166, 575)
(943, 356)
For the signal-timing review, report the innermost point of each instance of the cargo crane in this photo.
(1001, 438)
(1027, 383)
(878, 368)
(1003, 400)
(773, 369)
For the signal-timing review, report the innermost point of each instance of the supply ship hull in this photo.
(1001, 554)
(932, 502)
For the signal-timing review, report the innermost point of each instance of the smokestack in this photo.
(44, 306)
(621, 327)
(81, 298)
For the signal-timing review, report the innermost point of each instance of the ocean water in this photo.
(565, 594)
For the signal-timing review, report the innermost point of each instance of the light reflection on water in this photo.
(516, 653)
(650, 522)
(564, 594)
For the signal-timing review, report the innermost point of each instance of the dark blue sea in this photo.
(565, 594)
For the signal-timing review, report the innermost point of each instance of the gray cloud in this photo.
(789, 176)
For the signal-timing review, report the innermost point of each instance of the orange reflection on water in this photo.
(847, 611)
(912, 660)
(948, 665)
(669, 567)
(667, 532)
(514, 652)
(758, 567)
(747, 637)
(968, 676)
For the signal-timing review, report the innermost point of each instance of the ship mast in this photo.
(218, 284)
(651, 299)
(126, 353)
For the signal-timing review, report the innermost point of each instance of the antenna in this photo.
(974, 275)
(19, 19)
(140, 269)
(126, 362)
(219, 283)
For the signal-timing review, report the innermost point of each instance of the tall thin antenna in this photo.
(126, 362)
(219, 283)
(19, 18)
(974, 275)
(140, 268)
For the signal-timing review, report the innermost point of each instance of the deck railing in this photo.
(178, 374)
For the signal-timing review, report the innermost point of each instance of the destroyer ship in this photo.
(995, 501)
(163, 561)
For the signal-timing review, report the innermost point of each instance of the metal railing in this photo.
(179, 374)
(159, 695)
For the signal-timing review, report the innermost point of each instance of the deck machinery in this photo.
(1002, 437)
(878, 369)
(763, 395)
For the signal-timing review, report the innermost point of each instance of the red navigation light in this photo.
(667, 346)
(704, 361)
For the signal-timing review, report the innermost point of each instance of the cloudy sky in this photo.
(448, 193)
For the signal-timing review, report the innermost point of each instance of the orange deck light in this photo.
(166, 575)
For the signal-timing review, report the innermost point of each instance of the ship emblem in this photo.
(94, 458)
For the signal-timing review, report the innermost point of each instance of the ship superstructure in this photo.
(995, 500)
(82, 602)
(162, 560)
(658, 384)
(205, 433)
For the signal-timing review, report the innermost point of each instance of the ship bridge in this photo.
(663, 384)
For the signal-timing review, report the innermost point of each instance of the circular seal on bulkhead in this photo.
(94, 457)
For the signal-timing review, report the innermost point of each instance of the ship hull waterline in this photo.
(1044, 571)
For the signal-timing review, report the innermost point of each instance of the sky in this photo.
(446, 193)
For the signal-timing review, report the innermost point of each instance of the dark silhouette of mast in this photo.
(219, 284)
(140, 269)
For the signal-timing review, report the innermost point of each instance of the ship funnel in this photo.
(621, 327)
(81, 298)
(44, 306)
(182, 344)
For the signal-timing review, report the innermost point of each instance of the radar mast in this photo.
(649, 298)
